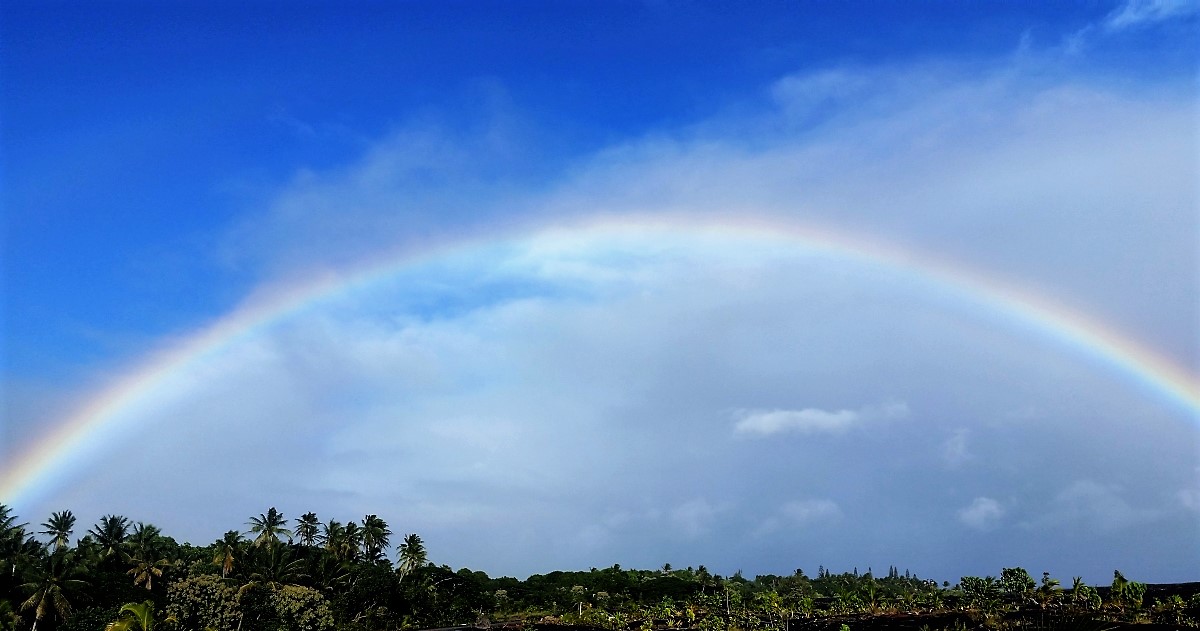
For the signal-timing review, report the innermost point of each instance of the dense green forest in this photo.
(280, 574)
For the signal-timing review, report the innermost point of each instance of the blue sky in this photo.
(165, 163)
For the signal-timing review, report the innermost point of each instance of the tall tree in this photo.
(273, 567)
(269, 527)
(9, 528)
(352, 542)
(59, 528)
(308, 529)
(145, 539)
(376, 537)
(110, 534)
(227, 550)
(12, 537)
(146, 569)
(145, 555)
(50, 585)
(332, 536)
(412, 555)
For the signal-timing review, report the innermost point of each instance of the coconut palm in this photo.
(145, 539)
(146, 569)
(135, 616)
(273, 567)
(24, 554)
(376, 537)
(328, 572)
(144, 555)
(308, 529)
(9, 528)
(269, 526)
(332, 535)
(412, 555)
(352, 542)
(59, 528)
(50, 586)
(110, 534)
(227, 550)
(12, 537)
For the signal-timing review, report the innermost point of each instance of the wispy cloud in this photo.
(793, 514)
(812, 420)
(1137, 13)
(1133, 15)
(1091, 504)
(955, 451)
(695, 517)
(808, 511)
(984, 513)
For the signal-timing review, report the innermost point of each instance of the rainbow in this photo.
(44, 465)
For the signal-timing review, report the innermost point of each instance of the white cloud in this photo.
(1132, 15)
(812, 420)
(984, 513)
(1136, 13)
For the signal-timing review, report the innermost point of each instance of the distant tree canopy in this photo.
(335, 576)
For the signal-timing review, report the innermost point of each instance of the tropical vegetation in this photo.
(276, 575)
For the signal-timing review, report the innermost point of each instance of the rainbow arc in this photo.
(40, 468)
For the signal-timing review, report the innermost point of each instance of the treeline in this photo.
(278, 575)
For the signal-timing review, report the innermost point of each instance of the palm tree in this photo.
(144, 555)
(332, 535)
(412, 555)
(376, 537)
(59, 528)
(328, 572)
(22, 554)
(274, 567)
(269, 526)
(146, 569)
(352, 542)
(228, 549)
(110, 533)
(12, 536)
(145, 539)
(50, 586)
(308, 529)
(9, 528)
(135, 616)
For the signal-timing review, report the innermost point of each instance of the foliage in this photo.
(200, 602)
(135, 617)
(337, 576)
(302, 608)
